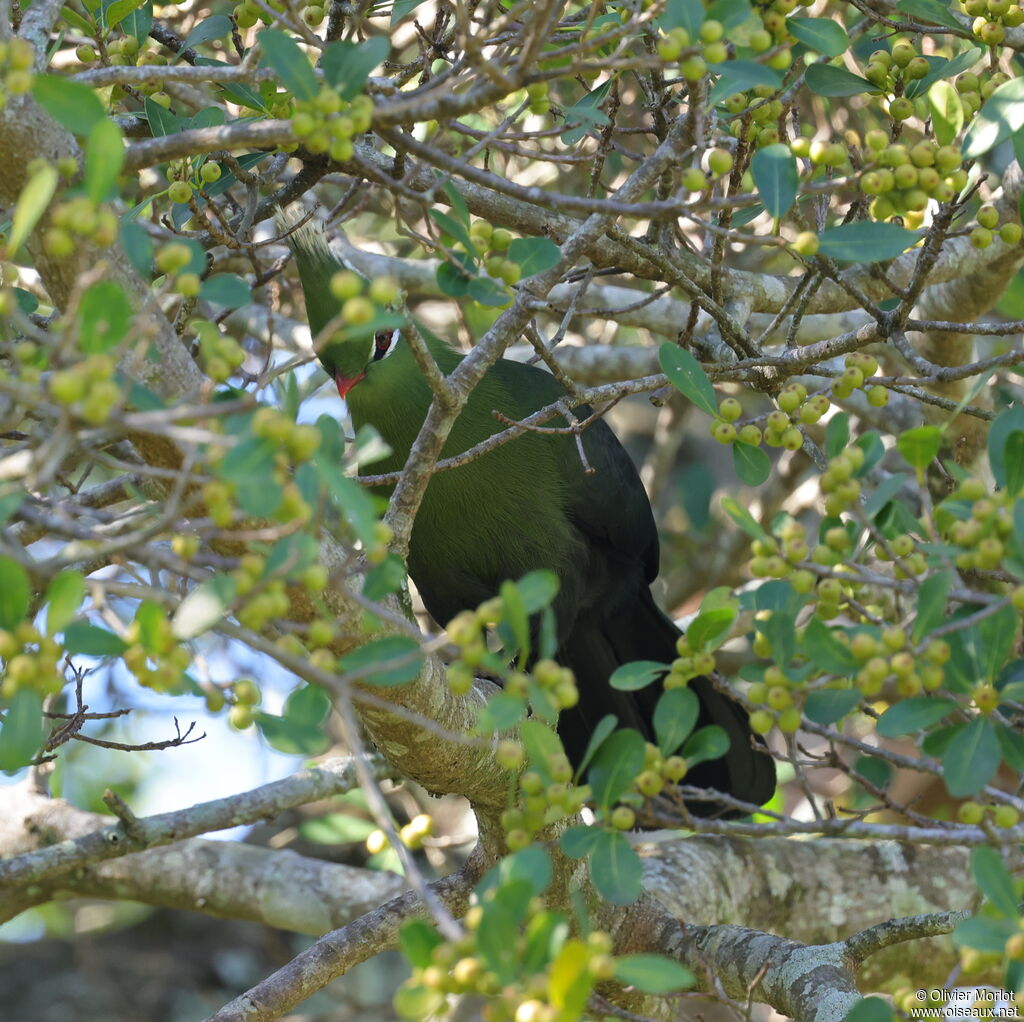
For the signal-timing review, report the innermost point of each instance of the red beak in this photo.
(346, 383)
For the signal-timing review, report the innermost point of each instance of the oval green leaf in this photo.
(776, 176)
(823, 35)
(867, 241)
(15, 592)
(684, 372)
(1001, 116)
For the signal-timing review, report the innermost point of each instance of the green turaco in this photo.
(526, 505)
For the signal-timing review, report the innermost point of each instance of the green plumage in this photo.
(527, 505)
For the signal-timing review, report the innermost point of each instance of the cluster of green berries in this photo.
(492, 243)
(173, 258)
(30, 661)
(885, 660)
(974, 814)
(244, 696)
(223, 511)
(78, 218)
(719, 163)
(543, 801)
(658, 771)
(16, 58)
(412, 835)
(901, 179)
(773, 698)
(973, 90)
(327, 123)
(909, 560)
(988, 220)
(360, 300)
(676, 45)
(774, 30)
(893, 70)
(88, 388)
(220, 352)
(992, 18)
(159, 662)
(456, 969)
(539, 98)
(688, 664)
(186, 181)
(984, 534)
(757, 117)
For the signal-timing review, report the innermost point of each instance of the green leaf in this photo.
(15, 592)
(709, 742)
(417, 939)
(684, 372)
(453, 229)
(931, 603)
(826, 80)
(569, 979)
(291, 737)
(537, 589)
(104, 316)
(740, 76)
(138, 22)
(710, 628)
(347, 65)
(227, 289)
(119, 10)
(919, 446)
(837, 435)
(22, 730)
(971, 758)
(617, 762)
(453, 281)
(104, 158)
(384, 578)
(64, 596)
(161, 121)
(250, 467)
(31, 204)
(995, 639)
(393, 660)
(636, 675)
(994, 880)
(485, 291)
(653, 974)
(743, 518)
(580, 841)
(11, 498)
(830, 704)
(502, 711)
(615, 868)
(930, 10)
(823, 35)
(688, 14)
(534, 255)
(71, 104)
(309, 705)
(336, 829)
(674, 716)
(871, 1009)
(947, 113)
(867, 241)
(216, 27)
(90, 640)
(1000, 116)
(751, 464)
(204, 607)
(775, 172)
(825, 651)
(911, 715)
(282, 53)
(605, 726)
(984, 933)
(137, 246)
(884, 493)
(401, 9)
(1002, 429)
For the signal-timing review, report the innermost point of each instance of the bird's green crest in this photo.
(317, 264)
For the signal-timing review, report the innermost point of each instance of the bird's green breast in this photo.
(499, 516)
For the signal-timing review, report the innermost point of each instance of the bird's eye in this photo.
(384, 343)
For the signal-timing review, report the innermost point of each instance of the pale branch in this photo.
(337, 952)
(111, 840)
(219, 878)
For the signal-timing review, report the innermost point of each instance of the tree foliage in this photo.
(785, 222)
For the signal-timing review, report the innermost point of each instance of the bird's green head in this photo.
(349, 352)
(349, 361)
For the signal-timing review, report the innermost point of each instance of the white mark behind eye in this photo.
(384, 343)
